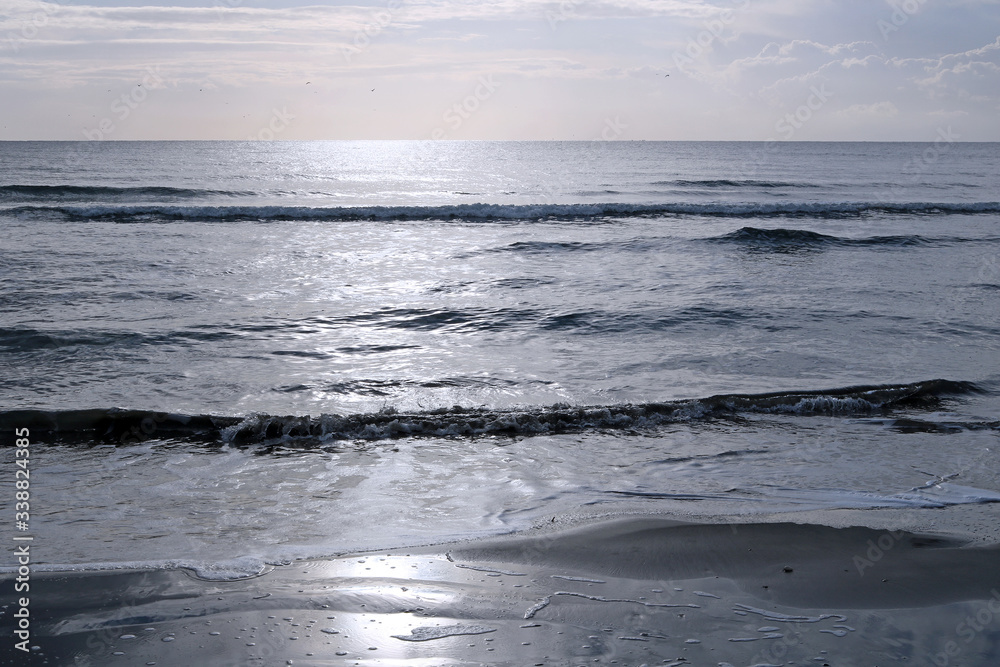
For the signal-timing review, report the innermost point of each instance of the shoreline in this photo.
(633, 590)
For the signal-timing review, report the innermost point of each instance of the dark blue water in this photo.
(256, 350)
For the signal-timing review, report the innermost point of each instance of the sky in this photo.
(788, 70)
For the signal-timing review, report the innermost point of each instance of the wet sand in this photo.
(630, 591)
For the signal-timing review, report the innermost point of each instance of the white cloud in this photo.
(867, 111)
(566, 64)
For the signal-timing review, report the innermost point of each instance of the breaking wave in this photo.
(494, 212)
(131, 426)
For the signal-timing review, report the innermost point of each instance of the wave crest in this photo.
(779, 238)
(46, 192)
(493, 212)
(131, 426)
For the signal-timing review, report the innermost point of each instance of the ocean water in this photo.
(233, 354)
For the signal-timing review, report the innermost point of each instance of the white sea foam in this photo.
(427, 633)
(244, 567)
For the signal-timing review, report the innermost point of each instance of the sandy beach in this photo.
(629, 591)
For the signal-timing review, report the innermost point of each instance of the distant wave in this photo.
(548, 247)
(734, 183)
(28, 339)
(471, 318)
(129, 426)
(494, 212)
(753, 236)
(33, 192)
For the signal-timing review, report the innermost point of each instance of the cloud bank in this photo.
(653, 69)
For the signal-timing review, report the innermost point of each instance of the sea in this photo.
(230, 355)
